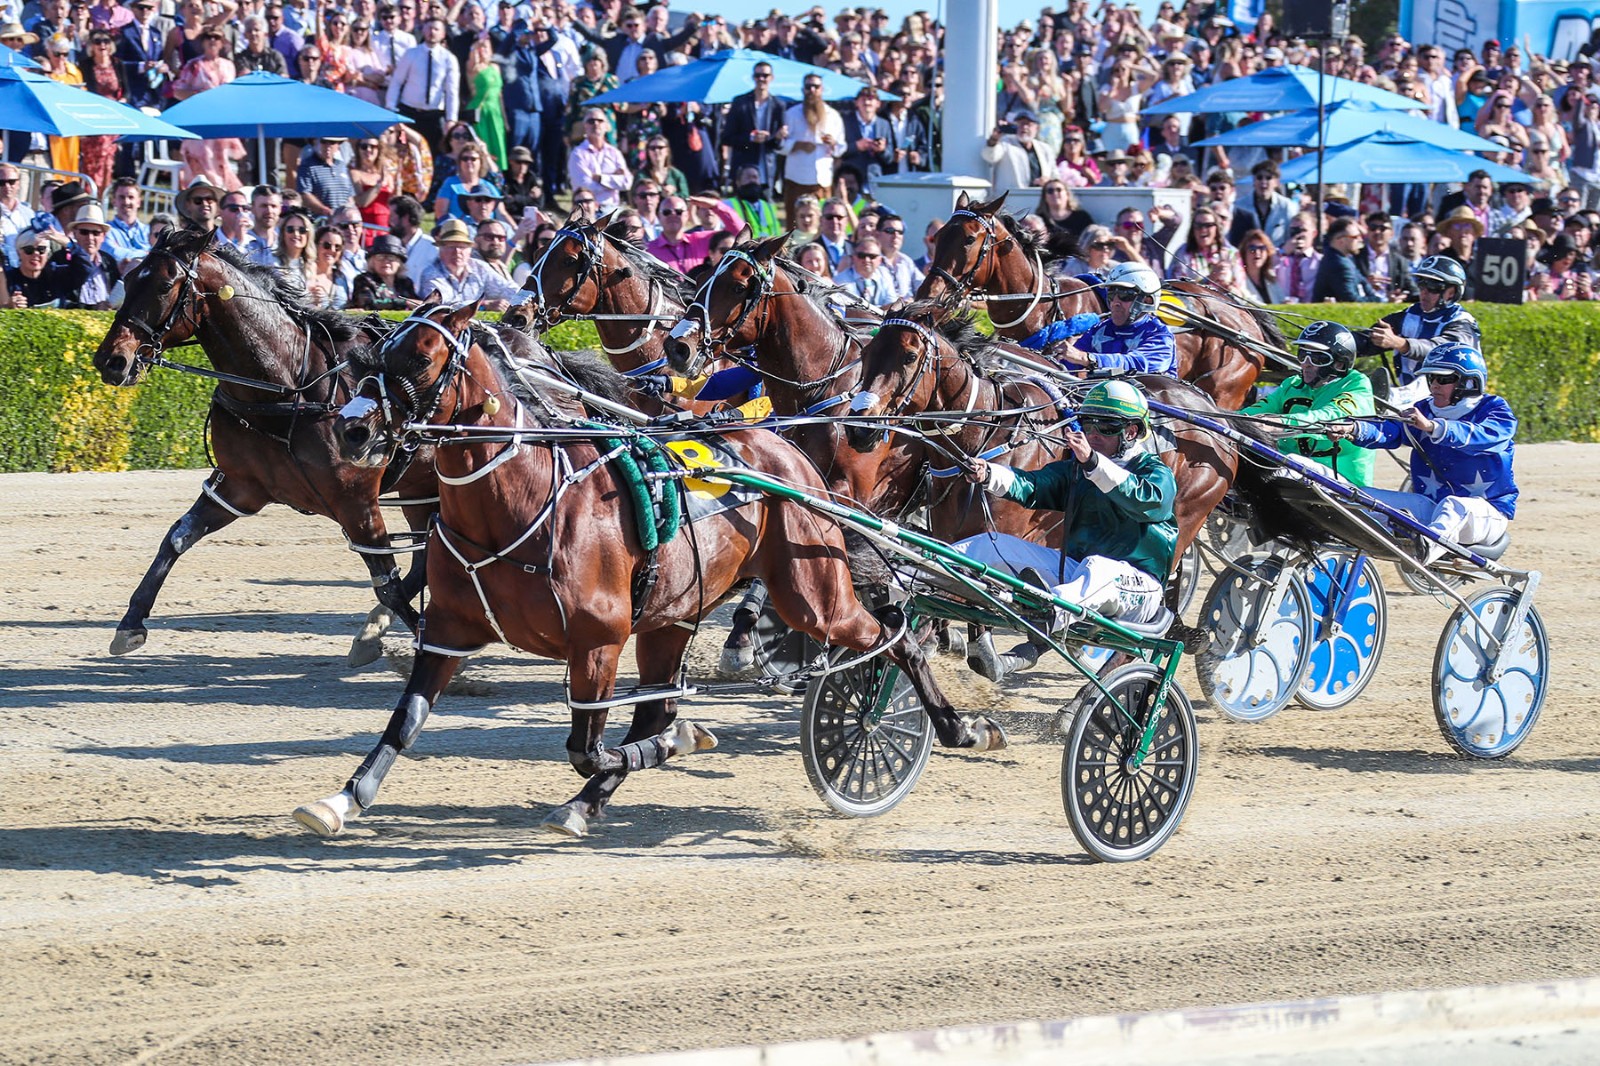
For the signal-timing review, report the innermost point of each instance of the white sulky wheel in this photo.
(1343, 665)
(864, 737)
(1254, 665)
(1120, 811)
(1484, 719)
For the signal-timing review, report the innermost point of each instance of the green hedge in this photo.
(56, 415)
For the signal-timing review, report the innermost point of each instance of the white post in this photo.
(971, 70)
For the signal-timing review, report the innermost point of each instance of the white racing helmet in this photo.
(1142, 280)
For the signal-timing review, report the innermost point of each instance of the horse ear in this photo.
(432, 300)
(462, 317)
(963, 200)
(603, 223)
(993, 206)
(770, 247)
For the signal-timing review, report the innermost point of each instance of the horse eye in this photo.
(970, 240)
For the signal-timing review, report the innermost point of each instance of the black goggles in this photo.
(1435, 287)
(1444, 379)
(1105, 427)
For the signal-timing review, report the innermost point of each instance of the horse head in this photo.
(567, 278)
(965, 250)
(900, 370)
(723, 309)
(166, 298)
(405, 381)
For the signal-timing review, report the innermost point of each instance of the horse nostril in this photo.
(357, 435)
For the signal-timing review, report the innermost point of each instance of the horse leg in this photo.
(653, 739)
(739, 651)
(205, 516)
(430, 673)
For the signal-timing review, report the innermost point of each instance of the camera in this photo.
(1008, 127)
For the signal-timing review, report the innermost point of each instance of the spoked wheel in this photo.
(864, 737)
(1186, 577)
(1254, 663)
(780, 651)
(1122, 808)
(1225, 535)
(1479, 717)
(1343, 665)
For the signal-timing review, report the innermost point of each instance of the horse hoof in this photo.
(363, 651)
(736, 662)
(368, 645)
(685, 738)
(953, 642)
(128, 640)
(989, 735)
(566, 821)
(320, 818)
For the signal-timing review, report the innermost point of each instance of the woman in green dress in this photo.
(490, 122)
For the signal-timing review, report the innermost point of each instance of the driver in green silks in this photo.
(1328, 388)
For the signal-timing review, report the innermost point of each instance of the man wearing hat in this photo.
(34, 281)
(15, 214)
(1516, 203)
(324, 180)
(383, 286)
(200, 204)
(65, 199)
(869, 141)
(480, 203)
(88, 276)
(458, 278)
(1018, 159)
(1461, 230)
(522, 187)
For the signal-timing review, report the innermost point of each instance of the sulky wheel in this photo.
(1254, 663)
(1120, 810)
(864, 737)
(1186, 577)
(1343, 664)
(1485, 718)
(1226, 535)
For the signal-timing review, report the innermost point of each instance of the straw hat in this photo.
(90, 216)
(1461, 214)
(453, 231)
(14, 29)
(200, 183)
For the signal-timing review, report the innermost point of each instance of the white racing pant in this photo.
(1467, 520)
(1109, 587)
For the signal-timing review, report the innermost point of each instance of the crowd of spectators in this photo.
(504, 140)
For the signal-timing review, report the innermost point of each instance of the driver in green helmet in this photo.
(1328, 388)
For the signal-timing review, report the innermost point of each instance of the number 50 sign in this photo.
(1501, 268)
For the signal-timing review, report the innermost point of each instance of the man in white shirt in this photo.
(815, 140)
(261, 243)
(458, 278)
(128, 239)
(15, 214)
(596, 165)
(1020, 161)
(233, 223)
(897, 265)
(426, 84)
(389, 40)
(405, 222)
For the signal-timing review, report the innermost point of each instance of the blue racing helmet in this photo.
(1462, 360)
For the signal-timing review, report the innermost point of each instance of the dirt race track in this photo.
(158, 904)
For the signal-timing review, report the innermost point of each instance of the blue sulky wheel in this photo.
(1254, 663)
(1121, 808)
(1484, 718)
(864, 737)
(1343, 664)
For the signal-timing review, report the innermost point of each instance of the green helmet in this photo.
(1115, 399)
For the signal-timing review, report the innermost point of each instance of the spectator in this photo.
(1273, 210)
(659, 169)
(128, 239)
(1258, 269)
(458, 278)
(687, 128)
(469, 168)
(383, 286)
(896, 265)
(479, 205)
(390, 39)
(814, 257)
(87, 277)
(161, 224)
(33, 282)
(485, 82)
(597, 79)
(864, 274)
(261, 244)
(285, 42)
(721, 242)
(374, 179)
(405, 224)
(58, 65)
(1297, 270)
(1115, 170)
(1206, 256)
(1562, 273)
(324, 182)
(1120, 100)
(647, 205)
(1062, 216)
(258, 52)
(491, 245)
(426, 84)
(752, 129)
(1098, 251)
(103, 76)
(1386, 269)
(1236, 220)
(540, 238)
(15, 214)
(680, 249)
(834, 231)
(908, 133)
(1460, 230)
(368, 68)
(347, 220)
(1339, 277)
(759, 214)
(1018, 160)
(233, 224)
(1075, 167)
(199, 204)
(522, 188)
(869, 142)
(596, 167)
(295, 254)
(815, 140)
(805, 222)
(325, 281)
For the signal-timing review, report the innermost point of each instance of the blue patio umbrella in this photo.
(10, 57)
(1389, 158)
(1350, 120)
(1279, 89)
(263, 105)
(33, 103)
(719, 77)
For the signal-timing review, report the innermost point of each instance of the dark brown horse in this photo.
(537, 545)
(982, 250)
(284, 377)
(926, 359)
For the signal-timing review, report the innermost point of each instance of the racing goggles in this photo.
(1125, 293)
(1317, 357)
(1444, 379)
(1435, 287)
(1105, 427)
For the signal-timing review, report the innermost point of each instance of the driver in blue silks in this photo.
(1129, 337)
(1462, 445)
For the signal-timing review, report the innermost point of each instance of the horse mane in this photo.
(958, 327)
(675, 285)
(335, 325)
(818, 290)
(1269, 326)
(1030, 242)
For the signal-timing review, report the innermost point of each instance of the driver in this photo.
(1462, 446)
(1118, 497)
(1328, 387)
(1436, 318)
(1129, 337)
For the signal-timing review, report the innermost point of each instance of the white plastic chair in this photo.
(158, 174)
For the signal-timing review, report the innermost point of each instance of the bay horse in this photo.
(983, 250)
(537, 545)
(929, 358)
(282, 378)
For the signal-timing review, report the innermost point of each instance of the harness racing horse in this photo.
(538, 545)
(928, 359)
(281, 380)
(983, 250)
(585, 272)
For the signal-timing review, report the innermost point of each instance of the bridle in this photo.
(186, 305)
(700, 306)
(993, 244)
(407, 405)
(589, 262)
(930, 356)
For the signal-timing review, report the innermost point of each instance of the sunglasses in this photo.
(1103, 427)
(671, 211)
(817, 85)
(837, 218)
(491, 237)
(32, 249)
(582, 200)
(234, 207)
(296, 231)
(1444, 379)
(763, 77)
(893, 231)
(1104, 246)
(1432, 286)
(868, 255)
(9, 181)
(1258, 248)
(1122, 295)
